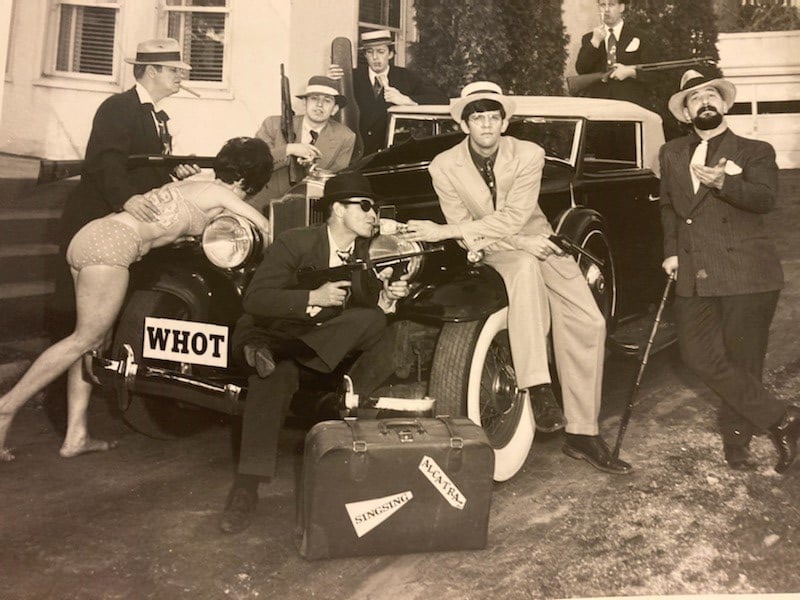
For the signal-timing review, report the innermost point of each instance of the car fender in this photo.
(471, 294)
(189, 285)
(576, 219)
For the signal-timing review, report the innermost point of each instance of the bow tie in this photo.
(161, 115)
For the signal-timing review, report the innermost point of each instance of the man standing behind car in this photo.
(380, 85)
(320, 140)
(488, 188)
(715, 189)
(615, 47)
(286, 328)
(124, 124)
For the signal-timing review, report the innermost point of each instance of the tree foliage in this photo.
(677, 29)
(519, 44)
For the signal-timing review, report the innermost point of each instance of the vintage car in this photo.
(599, 189)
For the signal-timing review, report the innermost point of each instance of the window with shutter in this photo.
(85, 33)
(201, 27)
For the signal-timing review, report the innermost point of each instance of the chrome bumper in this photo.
(126, 378)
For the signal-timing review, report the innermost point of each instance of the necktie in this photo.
(161, 123)
(314, 136)
(698, 158)
(488, 177)
(344, 256)
(377, 87)
(611, 47)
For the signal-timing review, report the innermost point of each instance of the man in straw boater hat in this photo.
(380, 84)
(488, 188)
(124, 124)
(715, 188)
(286, 329)
(319, 138)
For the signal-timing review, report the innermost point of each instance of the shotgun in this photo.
(296, 171)
(576, 84)
(56, 170)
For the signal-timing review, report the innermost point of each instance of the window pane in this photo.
(203, 37)
(196, 2)
(86, 40)
(382, 12)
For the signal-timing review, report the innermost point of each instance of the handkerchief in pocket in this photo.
(731, 168)
(633, 46)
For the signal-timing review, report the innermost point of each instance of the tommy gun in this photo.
(296, 171)
(576, 84)
(56, 170)
(311, 278)
(569, 247)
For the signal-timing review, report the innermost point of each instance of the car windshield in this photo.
(556, 136)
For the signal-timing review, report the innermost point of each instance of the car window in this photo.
(406, 127)
(610, 145)
(556, 136)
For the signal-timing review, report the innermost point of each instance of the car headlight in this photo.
(229, 240)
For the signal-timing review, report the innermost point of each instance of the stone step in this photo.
(19, 193)
(23, 308)
(23, 225)
(28, 262)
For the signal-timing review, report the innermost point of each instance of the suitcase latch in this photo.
(405, 435)
(359, 446)
(457, 442)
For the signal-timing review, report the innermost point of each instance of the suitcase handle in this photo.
(400, 423)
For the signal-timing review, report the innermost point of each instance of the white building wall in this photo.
(51, 117)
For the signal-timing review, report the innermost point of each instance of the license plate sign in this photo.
(185, 341)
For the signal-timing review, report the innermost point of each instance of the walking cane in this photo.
(626, 417)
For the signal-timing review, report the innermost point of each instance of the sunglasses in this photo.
(365, 203)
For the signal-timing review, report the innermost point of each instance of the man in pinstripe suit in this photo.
(715, 189)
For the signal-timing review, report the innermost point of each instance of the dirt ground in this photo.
(141, 521)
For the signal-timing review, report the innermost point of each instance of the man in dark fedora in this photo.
(715, 189)
(127, 123)
(286, 328)
(380, 84)
(319, 139)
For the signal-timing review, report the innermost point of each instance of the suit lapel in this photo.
(470, 184)
(504, 169)
(144, 122)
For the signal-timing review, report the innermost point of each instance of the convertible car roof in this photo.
(593, 109)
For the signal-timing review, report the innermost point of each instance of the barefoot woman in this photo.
(99, 256)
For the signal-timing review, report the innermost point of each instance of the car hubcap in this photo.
(500, 401)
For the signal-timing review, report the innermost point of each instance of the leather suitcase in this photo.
(393, 486)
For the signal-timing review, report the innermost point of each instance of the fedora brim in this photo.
(676, 103)
(457, 106)
(161, 63)
(341, 101)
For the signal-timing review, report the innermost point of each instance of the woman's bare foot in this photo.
(6, 455)
(88, 445)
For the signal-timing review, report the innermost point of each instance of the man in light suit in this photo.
(379, 85)
(287, 327)
(615, 47)
(715, 189)
(320, 139)
(488, 188)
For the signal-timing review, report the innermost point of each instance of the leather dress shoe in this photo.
(260, 357)
(546, 411)
(593, 450)
(784, 435)
(239, 509)
(738, 457)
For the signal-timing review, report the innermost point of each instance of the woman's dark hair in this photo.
(244, 158)
(480, 106)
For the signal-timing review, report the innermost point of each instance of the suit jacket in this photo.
(274, 297)
(120, 128)
(373, 116)
(335, 142)
(593, 60)
(719, 236)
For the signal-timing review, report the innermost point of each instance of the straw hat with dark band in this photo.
(481, 90)
(694, 80)
(164, 52)
(381, 37)
(324, 85)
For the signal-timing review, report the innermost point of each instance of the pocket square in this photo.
(731, 168)
(633, 46)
